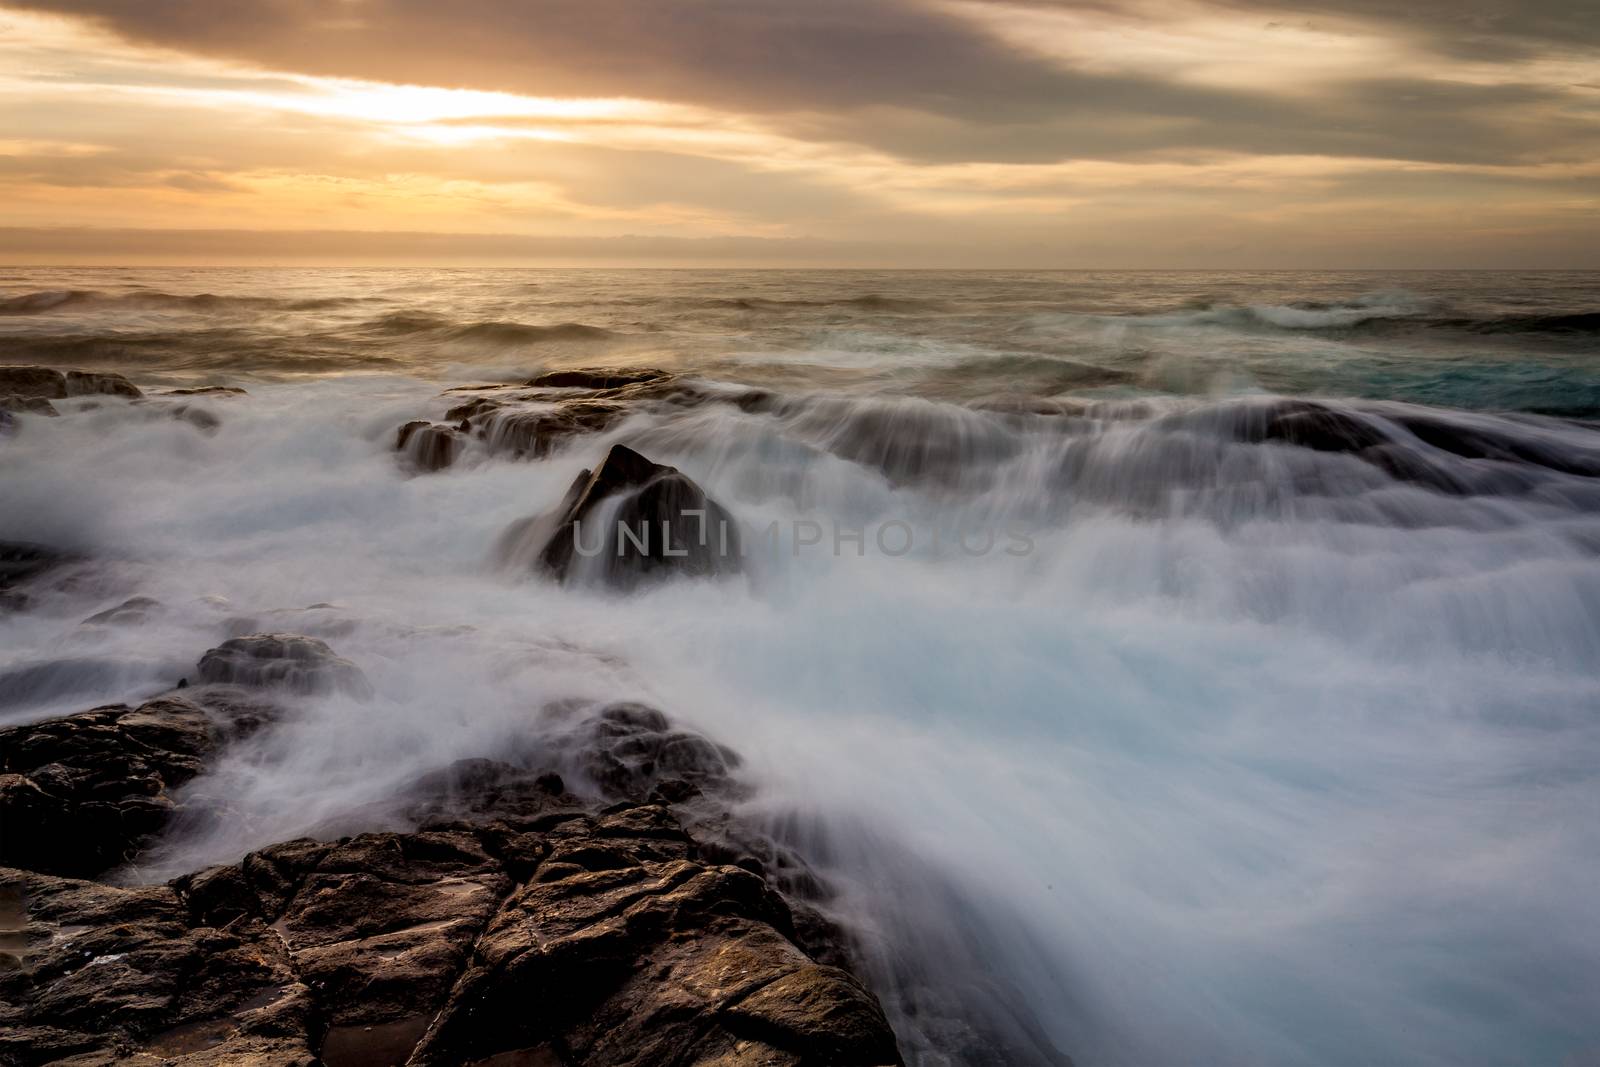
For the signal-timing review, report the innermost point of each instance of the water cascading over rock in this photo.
(626, 520)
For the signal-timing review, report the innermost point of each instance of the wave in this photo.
(1377, 312)
(48, 300)
(1582, 322)
(867, 301)
(495, 332)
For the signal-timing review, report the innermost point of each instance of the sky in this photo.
(943, 133)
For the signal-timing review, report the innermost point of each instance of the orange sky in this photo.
(1212, 133)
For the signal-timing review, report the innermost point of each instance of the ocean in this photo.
(1170, 668)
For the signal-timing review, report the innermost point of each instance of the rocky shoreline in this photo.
(588, 896)
(623, 919)
(589, 901)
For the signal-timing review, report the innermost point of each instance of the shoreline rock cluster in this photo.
(32, 390)
(519, 922)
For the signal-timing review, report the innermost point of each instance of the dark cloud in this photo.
(908, 77)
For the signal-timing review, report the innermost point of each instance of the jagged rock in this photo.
(428, 446)
(675, 528)
(597, 938)
(630, 751)
(110, 975)
(80, 794)
(521, 925)
(294, 662)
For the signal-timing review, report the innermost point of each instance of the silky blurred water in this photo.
(1262, 753)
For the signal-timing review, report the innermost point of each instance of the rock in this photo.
(533, 420)
(80, 794)
(21, 562)
(106, 972)
(1316, 426)
(540, 929)
(300, 664)
(428, 446)
(27, 405)
(205, 421)
(631, 752)
(598, 378)
(205, 390)
(534, 433)
(130, 612)
(84, 383)
(50, 384)
(675, 528)
(41, 382)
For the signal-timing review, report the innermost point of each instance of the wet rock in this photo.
(41, 382)
(631, 752)
(21, 562)
(27, 405)
(1480, 440)
(107, 974)
(205, 390)
(1317, 426)
(535, 419)
(300, 664)
(539, 929)
(598, 378)
(672, 527)
(85, 383)
(534, 433)
(428, 446)
(82, 793)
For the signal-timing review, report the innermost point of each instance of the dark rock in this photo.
(108, 973)
(1317, 426)
(428, 446)
(636, 956)
(27, 405)
(205, 390)
(300, 664)
(598, 378)
(40, 382)
(538, 930)
(535, 419)
(21, 562)
(80, 794)
(85, 383)
(657, 505)
(1480, 440)
(535, 433)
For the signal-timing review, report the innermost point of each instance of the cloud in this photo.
(924, 81)
(1012, 132)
